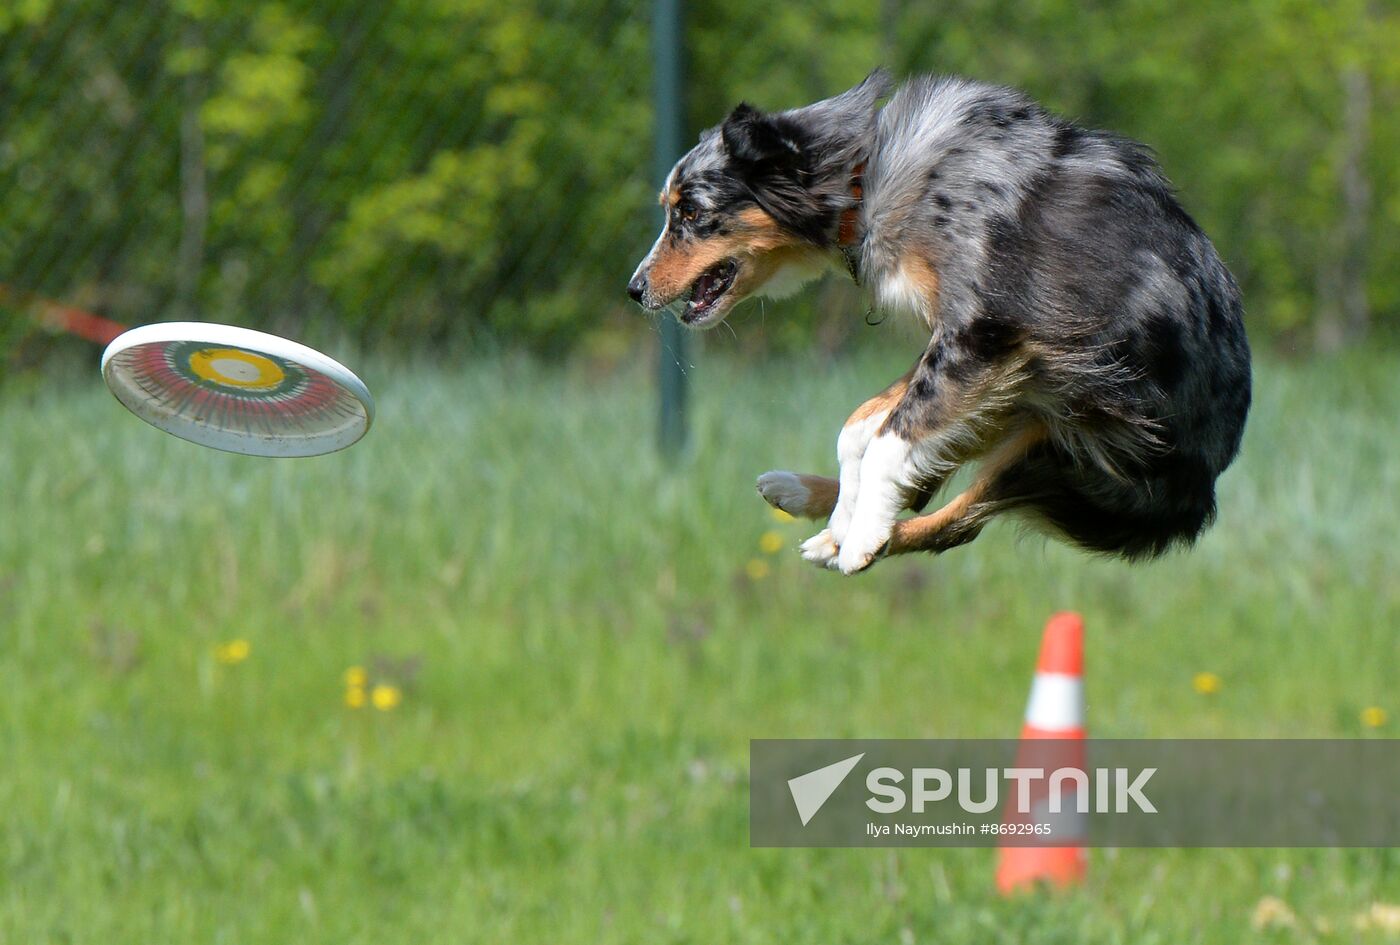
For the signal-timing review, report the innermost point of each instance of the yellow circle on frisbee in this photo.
(234, 368)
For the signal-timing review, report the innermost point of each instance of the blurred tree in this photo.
(423, 170)
(1263, 113)
(413, 169)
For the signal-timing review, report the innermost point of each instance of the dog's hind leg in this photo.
(809, 496)
(799, 494)
(957, 409)
(962, 518)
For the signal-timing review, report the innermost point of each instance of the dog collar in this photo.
(846, 238)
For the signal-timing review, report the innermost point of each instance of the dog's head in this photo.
(755, 206)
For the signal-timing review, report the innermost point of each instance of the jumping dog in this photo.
(1086, 343)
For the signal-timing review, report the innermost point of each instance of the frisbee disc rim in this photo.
(213, 334)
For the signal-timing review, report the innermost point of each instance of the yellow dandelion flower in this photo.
(232, 652)
(356, 676)
(1373, 716)
(1272, 912)
(1207, 684)
(780, 516)
(1381, 917)
(385, 697)
(757, 569)
(771, 543)
(355, 697)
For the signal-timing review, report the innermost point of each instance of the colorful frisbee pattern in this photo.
(238, 390)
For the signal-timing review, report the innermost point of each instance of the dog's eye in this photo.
(688, 211)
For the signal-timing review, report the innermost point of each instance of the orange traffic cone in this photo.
(1055, 711)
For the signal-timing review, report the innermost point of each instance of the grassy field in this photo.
(583, 641)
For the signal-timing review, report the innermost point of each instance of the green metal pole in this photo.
(666, 40)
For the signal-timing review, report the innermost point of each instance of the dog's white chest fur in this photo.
(791, 276)
(898, 292)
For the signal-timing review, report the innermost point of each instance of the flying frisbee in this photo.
(237, 390)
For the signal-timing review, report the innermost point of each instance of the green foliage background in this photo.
(422, 171)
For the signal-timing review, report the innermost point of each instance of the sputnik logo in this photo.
(813, 789)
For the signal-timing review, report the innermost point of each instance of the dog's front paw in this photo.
(865, 542)
(840, 521)
(821, 550)
(784, 490)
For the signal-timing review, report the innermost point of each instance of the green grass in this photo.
(584, 657)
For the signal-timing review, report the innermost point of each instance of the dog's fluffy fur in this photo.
(1086, 347)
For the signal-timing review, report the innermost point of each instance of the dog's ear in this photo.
(843, 117)
(868, 93)
(751, 137)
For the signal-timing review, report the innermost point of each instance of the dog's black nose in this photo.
(636, 287)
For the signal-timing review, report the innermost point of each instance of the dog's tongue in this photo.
(705, 286)
(711, 285)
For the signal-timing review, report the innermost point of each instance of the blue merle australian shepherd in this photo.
(1086, 347)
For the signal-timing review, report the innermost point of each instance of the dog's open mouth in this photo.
(709, 289)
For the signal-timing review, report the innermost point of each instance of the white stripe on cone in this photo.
(1056, 703)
